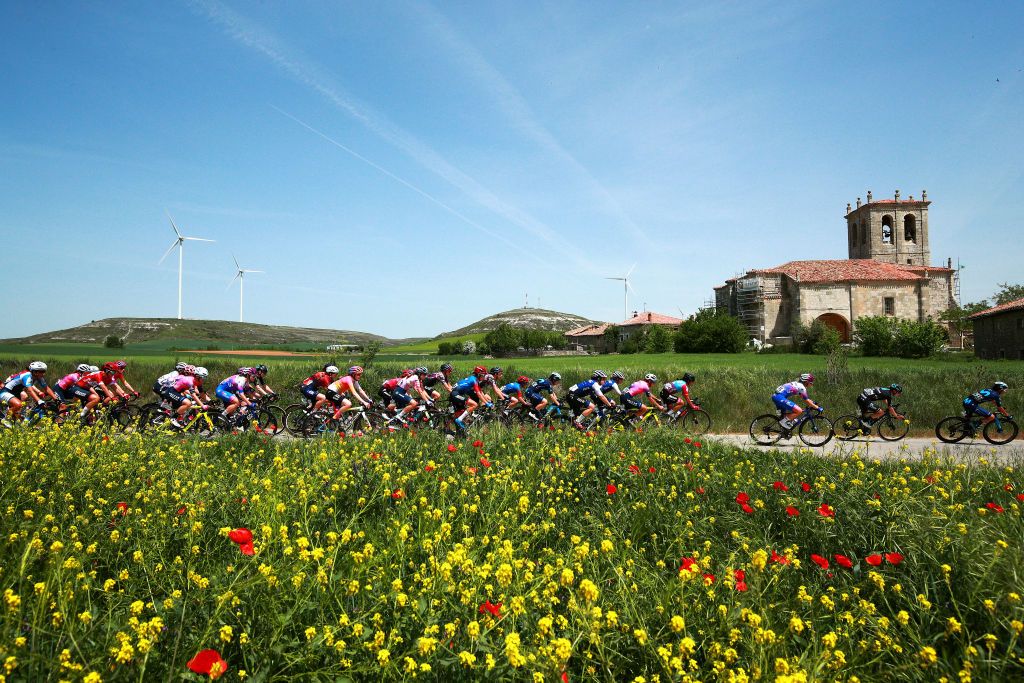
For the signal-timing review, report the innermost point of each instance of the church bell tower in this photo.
(893, 230)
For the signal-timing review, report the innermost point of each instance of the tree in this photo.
(817, 338)
(711, 331)
(446, 349)
(113, 342)
(658, 340)
(1008, 293)
(873, 334)
(883, 336)
(611, 338)
(468, 347)
(503, 339)
(369, 353)
(959, 318)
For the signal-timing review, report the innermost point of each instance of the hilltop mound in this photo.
(524, 318)
(172, 330)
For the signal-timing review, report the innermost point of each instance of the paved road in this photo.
(908, 448)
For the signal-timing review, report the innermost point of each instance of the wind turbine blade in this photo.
(253, 271)
(236, 262)
(630, 287)
(631, 271)
(168, 252)
(173, 226)
(198, 239)
(615, 278)
(232, 281)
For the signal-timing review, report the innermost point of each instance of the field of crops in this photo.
(539, 555)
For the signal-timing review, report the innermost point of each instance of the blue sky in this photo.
(406, 168)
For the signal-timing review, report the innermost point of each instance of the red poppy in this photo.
(247, 548)
(687, 440)
(805, 487)
(746, 508)
(478, 443)
(485, 462)
(451, 448)
(494, 609)
(700, 490)
(994, 506)
(741, 586)
(893, 558)
(739, 575)
(565, 677)
(1020, 497)
(696, 444)
(843, 561)
(471, 470)
(182, 510)
(792, 511)
(397, 494)
(825, 510)
(651, 469)
(240, 535)
(205, 661)
(820, 561)
(874, 559)
(611, 489)
(428, 468)
(781, 559)
(1007, 487)
(930, 479)
(123, 507)
(779, 486)
(708, 578)
(687, 563)
(688, 465)
(742, 497)
(634, 469)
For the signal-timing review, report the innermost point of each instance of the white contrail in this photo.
(519, 112)
(312, 75)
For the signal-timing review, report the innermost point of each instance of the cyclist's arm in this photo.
(499, 393)
(422, 392)
(35, 394)
(655, 402)
(361, 394)
(106, 390)
(600, 395)
(689, 401)
(811, 403)
(129, 386)
(554, 397)
(447, 385)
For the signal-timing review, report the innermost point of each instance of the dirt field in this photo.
(249, 352)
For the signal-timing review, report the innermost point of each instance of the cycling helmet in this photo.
(446, 368)
(479, 370)
(84, 367)
(650, 378)
(331, 369)
(37, 366)
(523, 380)
(355, 370)
(599, 374)
(555, 377)
(896, 388)
(406, 373)
(420, 370)
(807, 378)
(121, 365)
(111, 366)
(188, 370)
(688, 377)
(617, 375)
(201, 372)
(1000, 386)
(496, 370)
(180, 365)
(262, 369)
(93, 368)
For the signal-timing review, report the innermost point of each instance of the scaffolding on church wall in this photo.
(751, 293)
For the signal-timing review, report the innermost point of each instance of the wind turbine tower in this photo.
(625, 291)
(179, 243)
(240, 276)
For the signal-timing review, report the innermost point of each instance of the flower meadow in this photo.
(533, 556)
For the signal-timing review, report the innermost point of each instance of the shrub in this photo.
(369, 353)
(874, 335)
(711, 331)
(882, 336)
(113, 342)
(468, 347)
(658, 340)
(817, 338)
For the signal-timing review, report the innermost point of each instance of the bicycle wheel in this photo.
(891, 429)
(848, 427)
(1004, 433)
(268, 422)
(765, 430)
(293, 416)
(816, 431)
(127, 418)
(694, 422)
(952, 429)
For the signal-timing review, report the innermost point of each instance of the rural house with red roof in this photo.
(888, 273)
(999, 331)
(592, 337)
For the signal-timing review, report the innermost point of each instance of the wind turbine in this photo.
(625, 292)
(240, 276)
(179, 242)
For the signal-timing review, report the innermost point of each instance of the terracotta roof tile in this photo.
(846, 270)
(1016, 305)
(587, 330)
(649, 318)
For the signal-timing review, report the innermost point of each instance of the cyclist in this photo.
(466, 396)
(581, 396)
(972, 404)
(163, 381)
(675, 404)
(347, 384)
(632, 398)
(85, 390)
(492, 379)
(432, 379)
(533, 393)
(113, 372)
(514, 392)
(312, 385)
(183, 393)
(31, 382)
(870, 411)
(63, 388)
(259, 382)
(790, 410)
(612, 384)
(405, 403)
(232, 391)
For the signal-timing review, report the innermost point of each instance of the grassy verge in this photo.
(603, 558)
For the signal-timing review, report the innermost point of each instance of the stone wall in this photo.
(1000, 336)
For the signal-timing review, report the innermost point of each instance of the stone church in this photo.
(889, 272)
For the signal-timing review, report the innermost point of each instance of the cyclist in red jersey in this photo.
(311, 386)
(113, 372)
(88, 388)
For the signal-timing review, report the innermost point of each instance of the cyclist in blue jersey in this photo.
(514, 392)
(972, 404)
(467, 395)
(675, 403)
(782, 399)
(611, 385)
(534, 397)
(583, 397)
(31, 382)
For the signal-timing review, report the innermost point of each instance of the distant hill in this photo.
(523, 318)
(182, 333)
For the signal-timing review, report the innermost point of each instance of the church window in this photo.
(909, 228)
(890, 305)
(853, 235)
(886, 229)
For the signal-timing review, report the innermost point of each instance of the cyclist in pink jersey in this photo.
(85, 390)
(184, 393)
(64, 386)
(632, 398)
(346, 384)
(400, 394)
